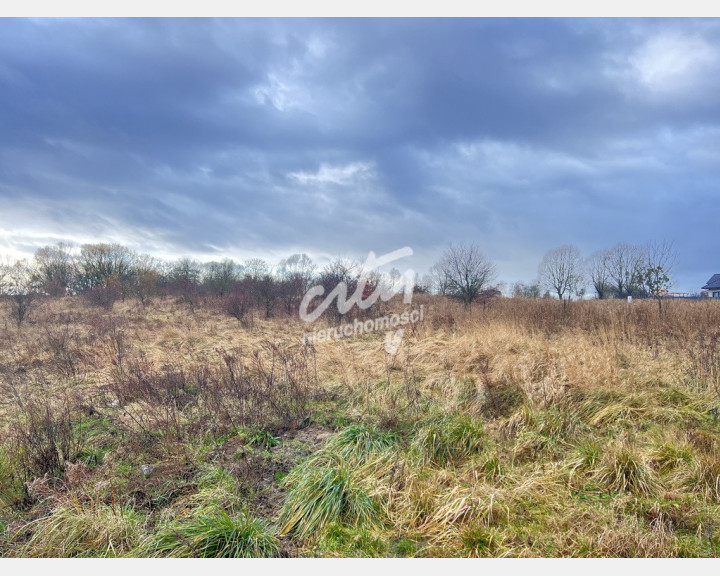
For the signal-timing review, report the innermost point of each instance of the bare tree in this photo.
(298, 268)
(523, 290)
(4, 268)
(561, 271)
(56, 268)
(625, 264)
(106, 268)
(183, 279)
(598, 268)
(340, 269)
(295, 275)
(464, 272)
(146, 277)
(437, 280)
(22, 286)
(220, 277)
(256, 268)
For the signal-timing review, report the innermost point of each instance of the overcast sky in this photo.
(245, 137)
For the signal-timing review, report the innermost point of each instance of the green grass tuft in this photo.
(447, 440)
(325, 490)
(359, 441)
(622, 470)
(217, 535)
(670, 456)
(77, 529)
(12, 492)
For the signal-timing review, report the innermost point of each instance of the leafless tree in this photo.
(146, 277)
(56, 268)
(523, 290)
(561, 271)
(625, 263)
(437, 280)
(340, 269)
(4, 268)
(183, 279)
(299, 269)
(295, 275)
(22, 286)
(464, 271)
(106, 267)
(256, 268)
(220, 277)
(598, 268)
(660, 254)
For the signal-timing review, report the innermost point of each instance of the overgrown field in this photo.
(516, 428)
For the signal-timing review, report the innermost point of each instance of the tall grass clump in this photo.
(670, 456)
(328, 488)
(358, 442)
(584, 458)
(217, 489)
(79, 529)
(444, 440)
(622, 469)
(216, 534)
(324, 490)
(12, 492)
(703, 476)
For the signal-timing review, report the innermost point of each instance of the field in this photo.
(515, 428)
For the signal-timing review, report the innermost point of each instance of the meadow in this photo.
(517, 427)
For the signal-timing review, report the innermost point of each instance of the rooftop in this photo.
(713, 283)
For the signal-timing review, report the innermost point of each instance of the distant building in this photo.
(713, 286)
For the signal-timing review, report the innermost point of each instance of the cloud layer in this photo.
(254, 137)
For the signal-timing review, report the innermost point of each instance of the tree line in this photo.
(623, 270)
(105, 273)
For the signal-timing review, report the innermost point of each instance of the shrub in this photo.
(103, 296)
(238, 305)
(44, 435)
(268, 390)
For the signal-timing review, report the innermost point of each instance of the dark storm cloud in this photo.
(213, 137)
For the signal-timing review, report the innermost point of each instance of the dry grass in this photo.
(518, 428)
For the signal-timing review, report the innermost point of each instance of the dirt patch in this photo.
(314, 435)
(293, 447)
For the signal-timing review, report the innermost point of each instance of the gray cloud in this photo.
(265, 137)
